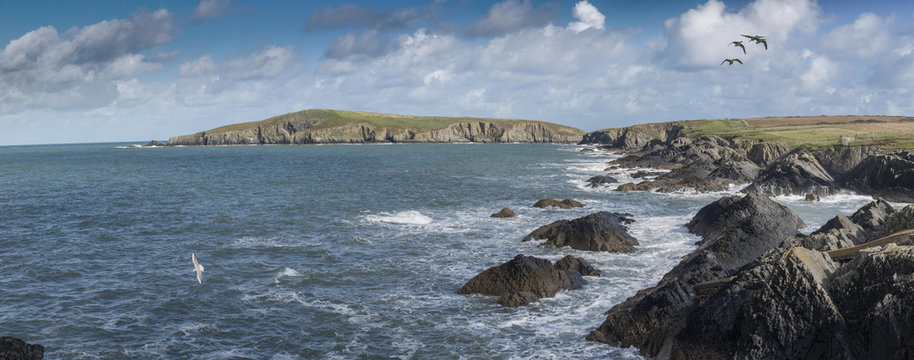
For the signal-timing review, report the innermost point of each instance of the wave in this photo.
(410, 217)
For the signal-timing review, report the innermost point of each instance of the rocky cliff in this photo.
(334, 126)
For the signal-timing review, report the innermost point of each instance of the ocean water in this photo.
(314, 252)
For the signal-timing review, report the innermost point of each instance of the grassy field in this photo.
(894, 132)
(325, 119)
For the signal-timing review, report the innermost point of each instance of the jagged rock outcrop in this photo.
(564, 204)
(735, 231)
(765, 153)
(896, 221)
(522, 280)
(838, 160)
(842, 231)
(577, 264)
(504, 213)
(889, 176)
(602, 231)
(796, 173)
(601, 180)
(16, 349)
(633, 137)
(333, 126)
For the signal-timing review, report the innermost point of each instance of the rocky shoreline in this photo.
(755, 287)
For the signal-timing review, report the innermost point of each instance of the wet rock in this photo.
(642, 186)
(13, 348)
(504, 213)
(577, 264)
(796, 173)
(646, 173)
(522, 280)
(564, 204)
(602, 231)
(155, 143)
(601, 180)
(735, 231)
(889, 176)
(810, 197)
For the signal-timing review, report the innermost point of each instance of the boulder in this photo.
(646, 173)
(796, 173)
(601, 180)
(810, 197)
(889, 176)
(155, 143)
(522, 280)
(642, 186)
(602, 231)
(564, 204)
(13, 348)
(504, 213)
(735, 231)
(577, 264)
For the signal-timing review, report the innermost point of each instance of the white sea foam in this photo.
(286, 272)
(410, 217)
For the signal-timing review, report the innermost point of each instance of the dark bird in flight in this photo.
(739, 44)
(759, 39)
(730, 61)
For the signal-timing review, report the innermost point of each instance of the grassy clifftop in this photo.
(892, 132)
(335, 126)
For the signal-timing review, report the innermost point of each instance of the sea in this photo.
(316, 252)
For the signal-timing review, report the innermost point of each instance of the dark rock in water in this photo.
(645, 173)
(642, 186)
(577, 264)
(564, 204)
(735, 232)
(588, 150)
(156, 143)
(889, 176)
(796, 173)
(601, 180)
(13, 348)
(522, 280)
(810, 197)
(602, 231)
(504, 213)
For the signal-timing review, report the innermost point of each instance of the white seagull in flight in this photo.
(197, 268)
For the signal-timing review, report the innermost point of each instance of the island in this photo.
(322, 126)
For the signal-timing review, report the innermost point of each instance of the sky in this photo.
(76, 71)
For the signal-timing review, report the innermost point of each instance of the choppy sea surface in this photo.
(314, 252)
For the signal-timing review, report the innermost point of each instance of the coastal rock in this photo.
(810, 197)
(796, 173)
(13, 348)
(889, 176)
(522, 280)
(602, 231)
(640, 174)
(642, 186)
(504, 213)
(601, 180)
(564, 204)
(735, 231)
(633, 137)
(839, 160)
(763, 154)
(155, 143)
(842, 231)
(577, 264)
(901, 219)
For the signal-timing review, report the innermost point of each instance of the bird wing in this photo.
(200, 277)
(750, 37)
(193, 257)
(744, 48)
(722, 62)
(765, 43)
(737, 60)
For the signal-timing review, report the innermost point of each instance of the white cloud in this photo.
(588, 16)
(510, 16)
(867, 36)
(211, 9)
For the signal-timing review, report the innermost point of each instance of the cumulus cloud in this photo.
(351, 47)
(698, 38)
(588, 16)
(510, 16)
(212, 9)
(867, 36)
(43, 68)
(354, 15)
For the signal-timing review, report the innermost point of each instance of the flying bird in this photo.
(730, 61)
(740, 45)
(197, 268)
(759, 39)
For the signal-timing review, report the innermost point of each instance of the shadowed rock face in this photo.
(522, 280)
(576, 264)
(12, 348)
(736, 231)
(843, 231)
(796, 173)
(890, 176)
(602, 231)
(601, 180)
(504, 213)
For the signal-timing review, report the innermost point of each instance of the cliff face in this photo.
(309, 131)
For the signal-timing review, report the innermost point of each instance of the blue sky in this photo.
(72, 71)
